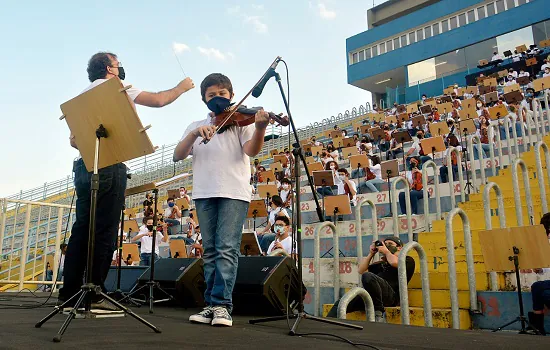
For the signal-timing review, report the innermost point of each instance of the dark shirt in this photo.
(389, 273)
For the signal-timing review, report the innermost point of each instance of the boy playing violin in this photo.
(221, 190)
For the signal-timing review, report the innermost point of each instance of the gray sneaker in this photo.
(221, 317)
(379, 317)
(105, 305)
(205, 316)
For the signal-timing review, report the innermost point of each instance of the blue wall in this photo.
(472, 33)
(415, 19)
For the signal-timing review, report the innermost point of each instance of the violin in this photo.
(243, 116)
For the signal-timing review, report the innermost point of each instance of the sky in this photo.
(47, 44)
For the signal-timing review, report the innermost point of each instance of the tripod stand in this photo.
(297, 235)
(465, 155)
(88, 290)
(152, 284)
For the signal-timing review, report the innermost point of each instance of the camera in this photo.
(378, 243)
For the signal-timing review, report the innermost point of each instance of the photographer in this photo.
(380, 279)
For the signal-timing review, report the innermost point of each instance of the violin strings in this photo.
(177, 59)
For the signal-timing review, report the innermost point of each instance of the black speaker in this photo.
(263, 283)
(128, 278)
(183, 279)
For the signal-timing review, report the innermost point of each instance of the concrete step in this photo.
(440, 299)
(440, 280)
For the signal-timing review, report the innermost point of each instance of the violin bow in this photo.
(226, 119)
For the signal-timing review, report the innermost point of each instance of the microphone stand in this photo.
(299, 156)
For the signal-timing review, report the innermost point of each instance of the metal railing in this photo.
(492, 127)
(470, 144)
(452, 264)
(517, 194)
(450, 172)
(403, 288)
(352, 294)
(317, 264)
(395, 200)
(540, 174)
(488, 221)
(509, 122)
(425, 166)
(359, 228)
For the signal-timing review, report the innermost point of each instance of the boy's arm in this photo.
(255, 144)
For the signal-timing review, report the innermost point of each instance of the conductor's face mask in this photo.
(121, 72)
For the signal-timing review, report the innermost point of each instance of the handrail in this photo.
(540, 174)
(529, 132)
(509, 122)
(470, 144)
(425, 166)
(452, 264)
(359, 228)
(517, 194)
(394, 200)
(317, 264)
(538, 134)
(403, 288)
(455, 150)
(492, 127)
(488, 222)
(352, 294)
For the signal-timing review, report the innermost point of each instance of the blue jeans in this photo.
(265, 241)
(444, 174)
(540, 292)
(222, 221)
(415, 197)
(145, 259)
(369, 185)
(110, 198)
(173, 226)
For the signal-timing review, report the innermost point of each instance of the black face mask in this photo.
(392, 249)
(150, 227)
(218, 104)
(121, 73)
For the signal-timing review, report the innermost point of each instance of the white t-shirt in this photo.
(376, 170)
(496, 57)
(275, 212)
(132, 92)
(544, 66)
(514, 74)
(286, 243)
(523, 74)
(416, 148)
(147, 243)
(284, 194)
(341, 190)
(220, 167)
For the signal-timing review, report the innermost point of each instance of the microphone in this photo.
(259, 88)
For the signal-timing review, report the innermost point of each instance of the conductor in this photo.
(112, 184)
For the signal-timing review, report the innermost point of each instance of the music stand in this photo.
(541, 84)
(502, 250)
(417, 122)
(267, 191)
(497, 112)
(389, 169)
(390, 119)
(131, 213)
(439, 128)
(267, 176)
(250, 245)
(273, 152)
(178, 250)
(472, 90)
(468, 113)
(402, 137)
(446, 107)
(276, 167)
(357, 162)
(256, 209)
(335, 134)
(510, 88)
(317, 166)
(522, 81)
(130, 251)
(173, 193)
(490, 82)
(349, 151)
(307, 148)
(432, 145)
(401, 109)
(426, 109)
(131, 226)
(316, 150)
(531, 61)
(281, 158)
(365, 129)
(323, 179)
(446, 99)
(507, 53)
(411, 108)
(513, 97)
(310, 160)
(107, 131)
(337, 205)
(485, 89)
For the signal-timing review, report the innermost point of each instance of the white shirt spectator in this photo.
(416, 148)
(286, 243)
(224, 156)
(275, 212)
(284, 194)
(523, 74)
(544, 66)
(341, 190)
(496, 57)
(513, 73)
(516, 57)
(147, 243)
(376, 170)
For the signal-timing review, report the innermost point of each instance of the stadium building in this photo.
(415, 47)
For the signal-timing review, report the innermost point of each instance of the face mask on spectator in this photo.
(286, 186)
(332, 166)
(150, 227)
(479, 105)
(279, 229)
(171, 204)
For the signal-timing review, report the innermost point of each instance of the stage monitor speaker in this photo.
(183, 279)
(128, 278)
(263, 283)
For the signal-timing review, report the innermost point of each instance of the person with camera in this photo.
(380, 278)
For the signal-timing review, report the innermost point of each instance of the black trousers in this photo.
(110, 199)
(381, 292)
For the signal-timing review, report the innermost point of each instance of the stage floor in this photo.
(18, 332)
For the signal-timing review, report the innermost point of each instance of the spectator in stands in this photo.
(414, 176)
(346, 186)
(444, 169)
(172, 216)
(540, 291)
(328, 190)
(496, 56)
(424, 98)
(546, 72)
(146, 240)
(511, 80)
(380, 279)
(373, 177)
(197, 248)
(512, 72)
(395, 149)
(147, 204)
(326, 158)
(516, 57)
(314, 141)
(276, 208)
(544, 65)
(283, 238)
(332, 152)
(522, 73)
(287, 194)
(416, 151)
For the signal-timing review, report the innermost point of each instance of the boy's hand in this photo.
(186, 84)
(206, 131)
(262, 119)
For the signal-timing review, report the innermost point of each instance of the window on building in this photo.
(521, 2)
(421, 72)
(389, 46)
(427, 32)
(354, 58)
(500, 6)
(462, 19)
(404, 40)
(396, 44)
(511, 4)
(539, 32)
(375, 50)
(367, 53)
(419, 35)
(490, 9)
(481, 12)
(445, 26)
(361, 55)
(412, 38)
(471, 16)
(510, 41)
(450, 63)
(480, 51)
(382, 48)
(454, 22)
(435, 29)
